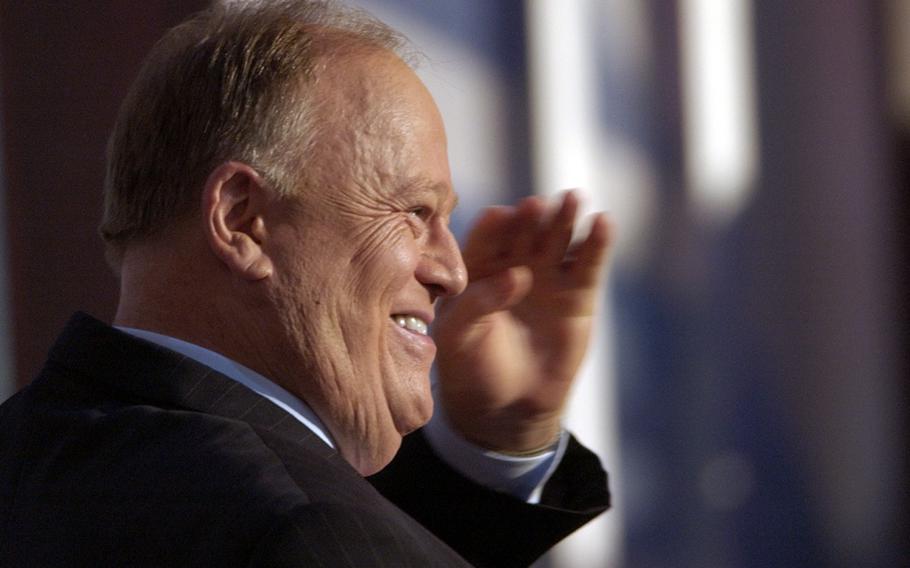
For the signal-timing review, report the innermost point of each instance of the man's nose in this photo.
(442, 269)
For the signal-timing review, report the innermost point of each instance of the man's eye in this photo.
(420, 212)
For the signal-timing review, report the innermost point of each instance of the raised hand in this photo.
(511, 344)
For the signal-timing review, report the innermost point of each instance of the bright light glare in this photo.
(561, 96)
(719, 116)
(566, 139)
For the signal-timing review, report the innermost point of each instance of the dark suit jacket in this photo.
(123, 453)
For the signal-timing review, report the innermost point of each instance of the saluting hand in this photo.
(511, 344)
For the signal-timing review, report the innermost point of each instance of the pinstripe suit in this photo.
(124, 453)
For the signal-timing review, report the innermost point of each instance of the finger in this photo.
(591, 254)
(557, 233)
(525, 229)
(486, 296)
(503, 237)
(485, 239)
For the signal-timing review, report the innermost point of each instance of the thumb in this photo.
(488, 295)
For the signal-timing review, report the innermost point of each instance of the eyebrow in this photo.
(440, 188)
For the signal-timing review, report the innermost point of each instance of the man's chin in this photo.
(370, 459)
(417, 417)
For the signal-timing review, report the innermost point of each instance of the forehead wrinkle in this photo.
(362, 118)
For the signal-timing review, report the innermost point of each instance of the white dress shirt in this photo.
(521, 476)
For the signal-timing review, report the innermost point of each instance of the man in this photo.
(277, 208)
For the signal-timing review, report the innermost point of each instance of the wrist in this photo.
(509, 435)
(520, 476)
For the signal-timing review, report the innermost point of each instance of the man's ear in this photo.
(234, 203)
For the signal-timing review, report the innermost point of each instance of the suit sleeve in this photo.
(490, 528)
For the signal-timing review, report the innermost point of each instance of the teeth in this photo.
(411, 323)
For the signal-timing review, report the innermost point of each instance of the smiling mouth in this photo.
(411, 323)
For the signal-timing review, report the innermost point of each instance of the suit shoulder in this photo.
(86, 481)
(198, 452)
(148, 451)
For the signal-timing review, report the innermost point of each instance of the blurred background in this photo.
(747, 388)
